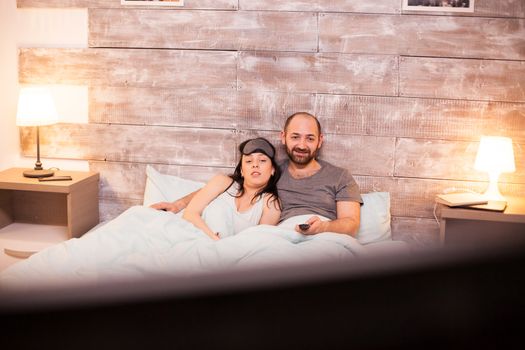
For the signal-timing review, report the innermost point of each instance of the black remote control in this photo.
(304, 227)
(55, 178)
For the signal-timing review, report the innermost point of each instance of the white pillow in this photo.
(375, 218)
(166, 188)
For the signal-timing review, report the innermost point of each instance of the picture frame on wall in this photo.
(439, 5)
(152, 2)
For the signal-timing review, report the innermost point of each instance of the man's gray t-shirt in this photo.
(316, 194)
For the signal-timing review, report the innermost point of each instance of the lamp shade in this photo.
(495, 154)
(36, 107)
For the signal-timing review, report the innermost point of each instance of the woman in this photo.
(250, 192)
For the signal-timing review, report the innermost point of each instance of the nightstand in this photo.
(72, 204)
(462, 226)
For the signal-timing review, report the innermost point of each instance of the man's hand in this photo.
(174, 207)
(347, 222)
(316, 226)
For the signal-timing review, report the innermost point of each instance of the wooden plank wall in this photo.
(403, 96)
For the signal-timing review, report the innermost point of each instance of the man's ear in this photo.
(321, 138)
(283, 137)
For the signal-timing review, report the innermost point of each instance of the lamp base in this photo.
(492, 193)
(39, 173)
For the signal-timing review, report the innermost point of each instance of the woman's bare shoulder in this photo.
(271, 201)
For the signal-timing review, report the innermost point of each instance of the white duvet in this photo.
(144, 241)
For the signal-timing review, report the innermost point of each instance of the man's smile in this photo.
(301, 152)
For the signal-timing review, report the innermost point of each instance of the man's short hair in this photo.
(289, 120)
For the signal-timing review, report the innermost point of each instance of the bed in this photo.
(144, 242)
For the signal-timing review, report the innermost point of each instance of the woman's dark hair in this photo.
(271, 186)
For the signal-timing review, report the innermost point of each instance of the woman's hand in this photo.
(175, 206)
(214, 236)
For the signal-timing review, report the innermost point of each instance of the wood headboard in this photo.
(402, 96)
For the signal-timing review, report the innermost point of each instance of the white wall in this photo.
(9, 148)
(38, 28)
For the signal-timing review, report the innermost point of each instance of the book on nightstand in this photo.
(460, 199)
(470, 200)
(490, 205)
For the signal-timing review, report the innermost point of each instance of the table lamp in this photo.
(36, 108)
(495, 156)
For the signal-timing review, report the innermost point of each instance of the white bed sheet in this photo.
(143, 241)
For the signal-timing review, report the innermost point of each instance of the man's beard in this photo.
(306, 156)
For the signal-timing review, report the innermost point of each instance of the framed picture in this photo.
(153, 2)
(439, 5)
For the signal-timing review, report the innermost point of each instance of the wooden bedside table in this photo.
(461, 226)
(73, 204)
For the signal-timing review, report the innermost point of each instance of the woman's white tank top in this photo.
(245, 219)
(222, 216)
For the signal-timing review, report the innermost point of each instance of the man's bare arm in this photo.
(347, 222)
(176, 206)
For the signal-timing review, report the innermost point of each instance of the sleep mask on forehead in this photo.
(258, 145)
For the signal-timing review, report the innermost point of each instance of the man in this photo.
(312, 186)
(309, 186)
